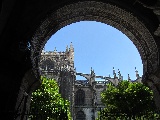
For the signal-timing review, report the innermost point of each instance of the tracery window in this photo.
(80, 97)
(47, 65)
(80, 115)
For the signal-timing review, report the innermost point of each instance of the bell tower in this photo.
(53, 63)
(60, 66)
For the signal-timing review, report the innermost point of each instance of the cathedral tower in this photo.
(60, 66)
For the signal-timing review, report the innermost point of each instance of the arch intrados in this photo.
(109, 14)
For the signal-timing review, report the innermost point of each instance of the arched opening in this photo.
(134, 29)
(80, 115)
(55, 53)
(99, 46)
(137, 19)
(80, 97)
(108, 14)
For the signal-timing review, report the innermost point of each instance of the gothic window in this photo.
(80, 115)
(47, 65)
(80, 97)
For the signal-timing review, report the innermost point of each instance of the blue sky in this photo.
(99, 46)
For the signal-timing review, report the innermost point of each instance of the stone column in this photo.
(154, 83)
(28, 85)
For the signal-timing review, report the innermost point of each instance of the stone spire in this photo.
(120, 76)
(71, 55)
(71, 47)
(55, 49)
(92, 76)
(137, 75)
(129, 79)
(114, 73)
(67, 49)
(92, 72)
(119, 73)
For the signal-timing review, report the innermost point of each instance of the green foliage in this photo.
(46, 102)
(128, 99)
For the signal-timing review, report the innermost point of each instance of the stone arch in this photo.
(80, 97)
(106, 13)
(21, 20)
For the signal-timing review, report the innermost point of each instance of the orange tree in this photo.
(131, 99)
(47, 103)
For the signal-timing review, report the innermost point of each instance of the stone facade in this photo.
(84, 95)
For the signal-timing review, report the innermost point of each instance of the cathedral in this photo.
(84, 95)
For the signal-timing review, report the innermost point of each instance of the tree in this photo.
(128, 98)
(47, 103)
